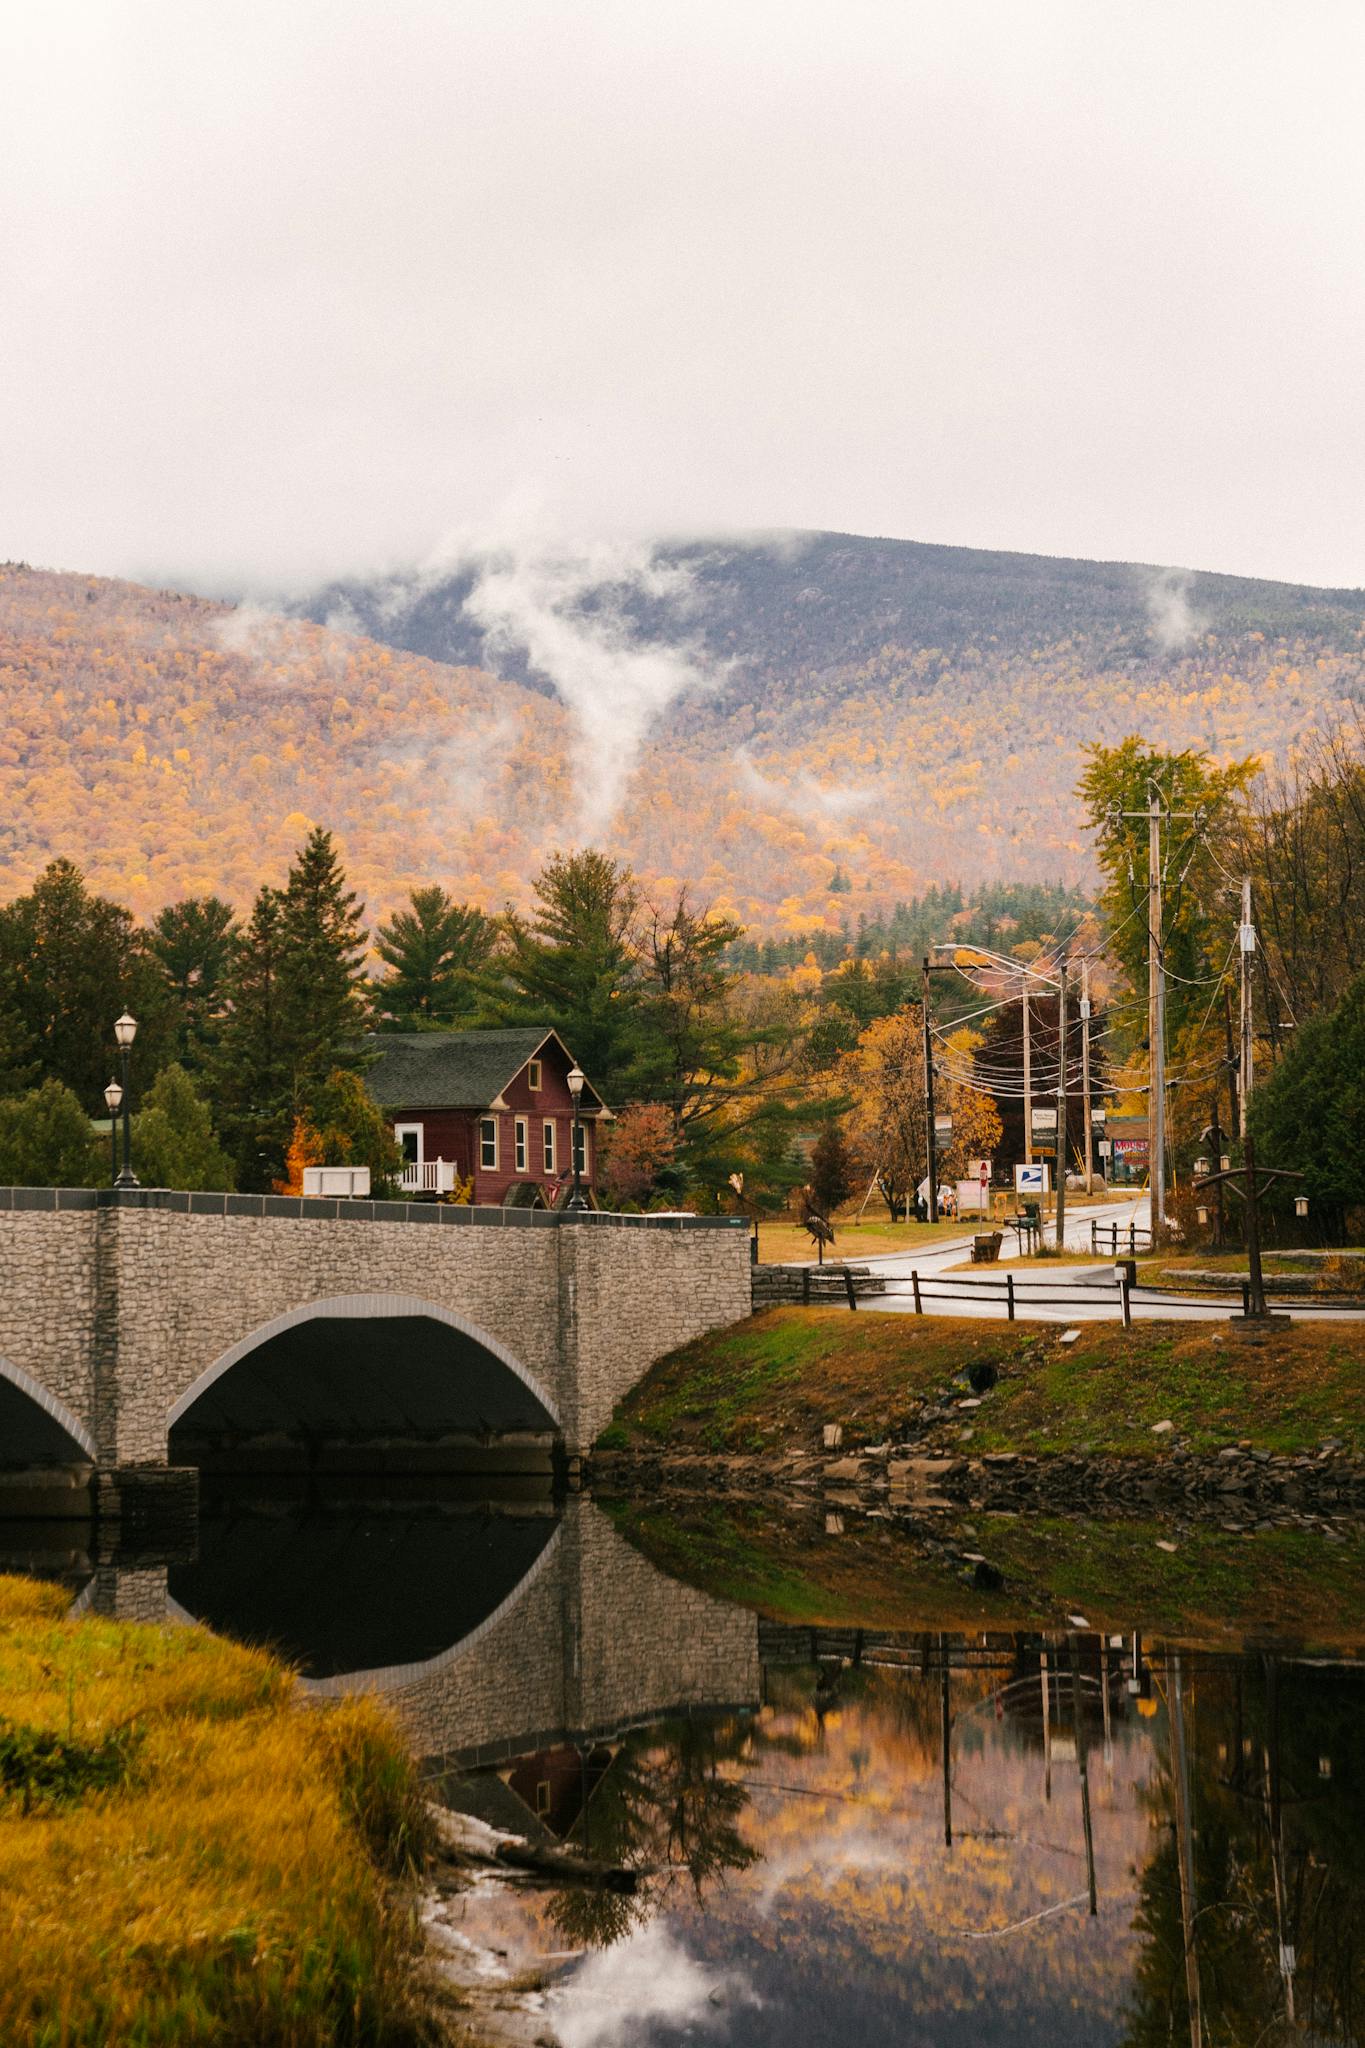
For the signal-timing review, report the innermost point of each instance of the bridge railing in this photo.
(440, 1214)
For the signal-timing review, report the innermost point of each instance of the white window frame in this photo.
(519, 1143)
(578, 1146)
(486, 1166)
(549, 1145)
(535, 1076)
(418, 1131)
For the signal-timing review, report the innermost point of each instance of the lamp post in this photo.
(577, 1198)
(125, 1031)
(113, 1096)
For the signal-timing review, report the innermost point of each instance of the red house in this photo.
(494, 1105)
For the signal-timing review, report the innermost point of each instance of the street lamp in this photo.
(113, 1096)
(125, 1031)
(577, 1198)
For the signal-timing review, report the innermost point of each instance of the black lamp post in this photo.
(125, 1031)
(577, 1198)
(113, 1096)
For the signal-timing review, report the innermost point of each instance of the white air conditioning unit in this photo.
(352, 1183)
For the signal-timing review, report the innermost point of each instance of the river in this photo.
(867, 1795)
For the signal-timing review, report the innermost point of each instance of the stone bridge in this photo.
(122, 1313)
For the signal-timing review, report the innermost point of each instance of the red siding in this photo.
(453, 1134)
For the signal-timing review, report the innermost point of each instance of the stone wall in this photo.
(120, 1308)
(48, 1308)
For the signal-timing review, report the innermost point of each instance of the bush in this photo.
(46, 1141)
(173, 1141)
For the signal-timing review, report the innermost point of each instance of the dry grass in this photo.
(230, 1887)
(789, 1244)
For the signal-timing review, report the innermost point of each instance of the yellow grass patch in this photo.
(226, 1889)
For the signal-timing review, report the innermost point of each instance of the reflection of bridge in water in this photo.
(491, 1634)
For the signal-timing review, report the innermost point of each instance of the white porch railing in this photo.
(428, 1176)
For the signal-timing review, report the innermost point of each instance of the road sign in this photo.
(943, 1125)
(1104, 1148)
(1099, 1117)
(1044, 1119)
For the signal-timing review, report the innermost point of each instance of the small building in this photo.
(491, 1106)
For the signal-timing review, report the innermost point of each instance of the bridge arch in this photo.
(56, 1411)
(361, 1308)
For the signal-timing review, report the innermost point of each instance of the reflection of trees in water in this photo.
(1276, 1796)
(667, 1809)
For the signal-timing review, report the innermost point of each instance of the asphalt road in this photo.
(1056, 1293)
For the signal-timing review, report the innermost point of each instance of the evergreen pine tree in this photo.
(437, 953)
(573, 964)
(298, 1010)
(193, 942)
(324, 1010)
(252, 1073)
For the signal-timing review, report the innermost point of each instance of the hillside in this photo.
(760, 720)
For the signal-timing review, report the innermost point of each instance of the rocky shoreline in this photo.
(1235, 1481)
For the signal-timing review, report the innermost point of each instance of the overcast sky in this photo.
(304, 286)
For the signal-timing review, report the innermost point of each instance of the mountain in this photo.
(799, 607)
(762, 720)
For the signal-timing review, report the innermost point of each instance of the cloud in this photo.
(801, 793)
(571, 611)
(1173, 620)
(649, 1977)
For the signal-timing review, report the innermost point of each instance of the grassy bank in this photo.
(186, 1854)
(1211, 1586)
(770, 1383)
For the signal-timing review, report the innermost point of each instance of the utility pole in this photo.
(1028, 1080)
(1246, 947)
(929, 1099)
(1156, 999)
(1061, 1104)
(1085, 1071)
(1246, 937)
(1156, 1019)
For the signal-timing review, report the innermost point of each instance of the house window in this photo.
(409, 1137)
(519, 1144)
(533, 1074)
(549, 1146)
(488, 1143)
(580, 1148)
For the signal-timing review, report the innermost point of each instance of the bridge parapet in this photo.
(115, 1305)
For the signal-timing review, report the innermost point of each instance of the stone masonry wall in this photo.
(47, 1304)
(119, 1310)
(638, 1295)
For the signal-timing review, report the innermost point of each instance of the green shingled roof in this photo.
(449, 1069)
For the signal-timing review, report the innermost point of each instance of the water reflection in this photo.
(1130, 1844)
(1001, 1834)
(359, 1588)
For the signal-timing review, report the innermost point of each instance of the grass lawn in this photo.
(187, 1854)
(1343, 1269)
(1215, 1587)
(787, 1244)
(770, 1383)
